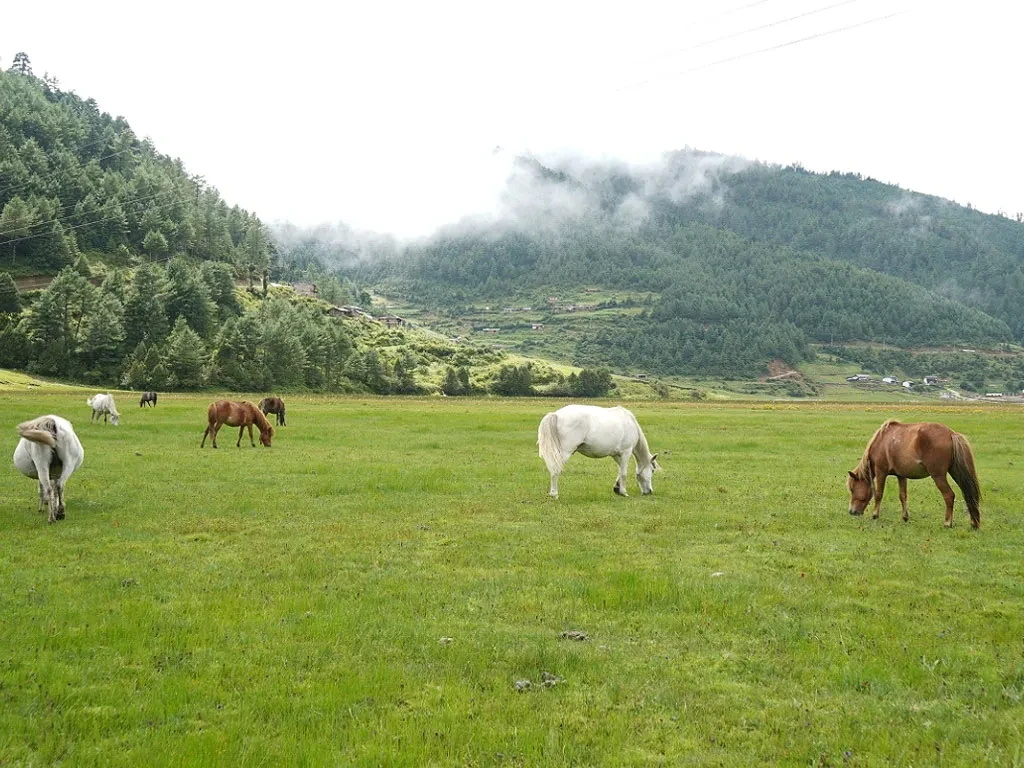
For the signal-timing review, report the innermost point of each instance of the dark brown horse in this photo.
(240, 415)
(915, 451)
(273, 405)
(148, 397)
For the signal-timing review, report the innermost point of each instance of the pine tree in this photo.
(185, 356)
(103, 339)
(58, 318)
(451, 385)
(21, 64)
(145, 314)
(10, 300)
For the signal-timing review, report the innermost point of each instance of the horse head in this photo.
(645, 474)
(861, 491)
(266, 432)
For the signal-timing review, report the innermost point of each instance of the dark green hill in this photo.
(146, 261)
(751, 262)
(75, 180)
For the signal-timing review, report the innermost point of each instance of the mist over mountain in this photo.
(747, 262)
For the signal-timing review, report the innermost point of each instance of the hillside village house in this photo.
(349, 312)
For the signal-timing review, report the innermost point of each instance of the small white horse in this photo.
(101, 406)
(49, 451)
(596, 432)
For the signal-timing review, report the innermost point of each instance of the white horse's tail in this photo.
(39, 431)
(547, 442)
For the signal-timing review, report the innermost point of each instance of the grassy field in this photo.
(370, 590)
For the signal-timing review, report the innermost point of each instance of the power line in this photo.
(769, 25)
(42, 180)
(80, 226)
(767, 49)
(124, 202)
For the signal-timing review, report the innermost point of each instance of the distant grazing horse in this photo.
(915, 451)
(148, 397)
(273, 405)
(595, 432)
(103, 405)
(50, 452)
(240, 415)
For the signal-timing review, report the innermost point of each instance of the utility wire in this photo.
(748, 54)
(43, 179)
(80, 226)
(768, 25)
(127, 201)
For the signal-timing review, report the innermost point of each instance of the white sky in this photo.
(385, 115)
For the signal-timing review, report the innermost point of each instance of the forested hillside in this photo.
(148, 262)
(751, 262)
(726, 265)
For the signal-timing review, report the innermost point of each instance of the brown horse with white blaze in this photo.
(241, 415)
(915, 451)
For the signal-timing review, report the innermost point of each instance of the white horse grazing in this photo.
(101, 406)
(596, 432)
(49, 451)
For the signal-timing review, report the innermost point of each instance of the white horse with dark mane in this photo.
(596, 432)
(101, 406)
(49, 451)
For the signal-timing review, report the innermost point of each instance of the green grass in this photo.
(287, 606)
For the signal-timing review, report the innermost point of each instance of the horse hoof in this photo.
(60, 514)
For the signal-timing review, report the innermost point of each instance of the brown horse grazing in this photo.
(273, 405)
(915, 451)
(240, 415)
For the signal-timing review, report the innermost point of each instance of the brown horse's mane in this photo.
(863, 470)
(261, 420)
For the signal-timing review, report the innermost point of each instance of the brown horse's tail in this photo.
(966, 477)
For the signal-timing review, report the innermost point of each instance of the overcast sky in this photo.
(386, 115)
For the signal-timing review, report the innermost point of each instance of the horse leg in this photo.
(903, 497)
(251, 441)
(879, 490)
(207, 432)
(58, 492)
(241, 431)
(947, 494)
(553, 492)
(620, 481)
(42, 497)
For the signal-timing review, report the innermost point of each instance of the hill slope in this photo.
(750, 262)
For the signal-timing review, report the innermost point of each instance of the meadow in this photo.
(376, 588)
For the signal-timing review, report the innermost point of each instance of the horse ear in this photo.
(851, 474)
